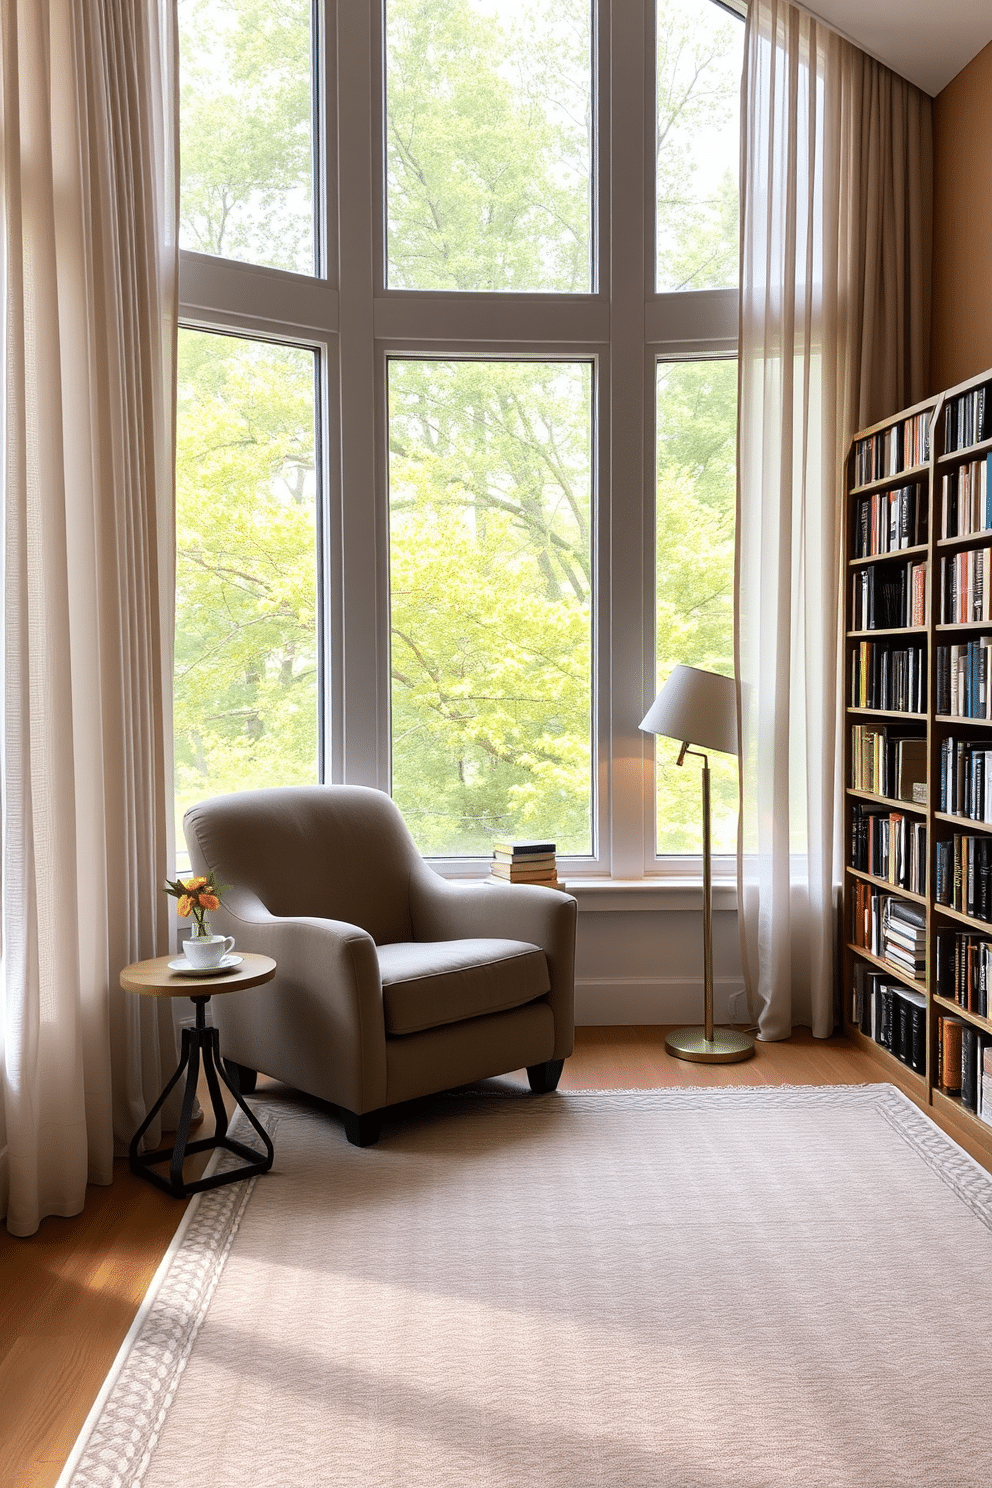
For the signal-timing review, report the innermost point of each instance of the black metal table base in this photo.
(198, 1041)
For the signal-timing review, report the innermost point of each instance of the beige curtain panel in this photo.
(90, 268)
(836, 190)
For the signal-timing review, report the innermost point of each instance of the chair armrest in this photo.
(319, 1024)
(544, 917)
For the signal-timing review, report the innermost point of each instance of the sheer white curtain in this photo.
(836, 189)
(90, 267)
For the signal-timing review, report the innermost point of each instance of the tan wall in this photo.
(962, 234)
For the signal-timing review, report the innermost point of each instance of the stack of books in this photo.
(525, 860)
(904, 937)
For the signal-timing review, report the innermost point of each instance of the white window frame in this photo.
(355, 325)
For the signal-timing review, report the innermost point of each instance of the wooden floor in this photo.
(71, 1291)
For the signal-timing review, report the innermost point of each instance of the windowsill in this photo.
(651, 894)
(654, 895)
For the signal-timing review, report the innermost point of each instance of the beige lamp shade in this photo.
(696, 707)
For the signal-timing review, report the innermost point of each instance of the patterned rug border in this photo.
(115, 1445)
(117, 1441)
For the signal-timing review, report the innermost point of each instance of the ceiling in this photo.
(924, 41)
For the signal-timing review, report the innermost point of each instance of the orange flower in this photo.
(208, 901)
(192, 884)
(185, 905)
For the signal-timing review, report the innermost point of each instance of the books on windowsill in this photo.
(525, 860)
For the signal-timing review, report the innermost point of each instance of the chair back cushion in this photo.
(430, 983)
(338, 852)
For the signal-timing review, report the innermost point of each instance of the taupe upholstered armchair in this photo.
(391, 983)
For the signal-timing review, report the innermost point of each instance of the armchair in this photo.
(392, 982)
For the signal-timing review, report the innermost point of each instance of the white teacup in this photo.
(207, 951)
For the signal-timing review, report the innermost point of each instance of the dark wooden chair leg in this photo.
(362, 1129)
(240, 1075)
(544, 1077)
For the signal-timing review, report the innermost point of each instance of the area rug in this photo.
(663, 1289)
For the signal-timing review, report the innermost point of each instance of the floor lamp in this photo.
(700, 708)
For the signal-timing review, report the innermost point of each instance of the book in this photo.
(985, 1088)
(969, 1067)
(949, 1054)
(985, 1109)
(522, 846)
(911, 766)
(514, 874)
(531, 860)
(911, 1044)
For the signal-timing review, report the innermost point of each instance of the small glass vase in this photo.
(201, 929)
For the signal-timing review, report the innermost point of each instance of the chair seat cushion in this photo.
(426, 984)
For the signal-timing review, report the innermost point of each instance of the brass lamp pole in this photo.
(700, 708)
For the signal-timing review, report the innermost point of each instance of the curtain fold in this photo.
(90, 280)
(836, 192)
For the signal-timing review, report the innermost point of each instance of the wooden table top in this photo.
(154, 979)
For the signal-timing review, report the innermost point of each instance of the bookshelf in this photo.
(916, 925)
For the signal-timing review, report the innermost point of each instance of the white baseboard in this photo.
(624, 1000)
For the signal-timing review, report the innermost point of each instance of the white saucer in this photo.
(185, 968)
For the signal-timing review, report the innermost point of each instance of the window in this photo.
(489, 145)
(456, 450)
(246, 702)
(696, 473)
(246, 127)
(698, 82)
(490, 586)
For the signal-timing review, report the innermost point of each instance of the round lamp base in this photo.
(727, 1046)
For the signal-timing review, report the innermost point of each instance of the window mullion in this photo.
(626, 616)
(362, 581)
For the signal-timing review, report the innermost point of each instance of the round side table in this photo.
(155, 979)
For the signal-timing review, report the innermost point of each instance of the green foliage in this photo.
(246, 665)
(488, 146)
(698, 100)
(246, 131)
(491, 648)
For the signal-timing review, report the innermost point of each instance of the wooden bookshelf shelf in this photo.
(893, 804)
(896, 1072)
(972, 451)
(969, 921)
(962, 821)
(894, 630)
(951, 1006)
(890, 715)
(954, 484)
(889, 967)
(952, 1105)
(918, 550)
(887, 482)
(889, 888)
(965, 540)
